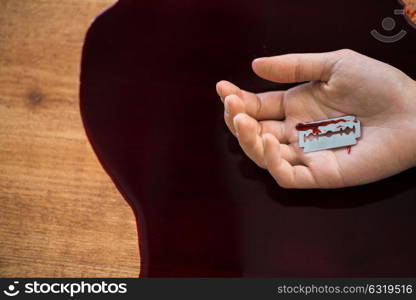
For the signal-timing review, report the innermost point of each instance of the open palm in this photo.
(338, 83)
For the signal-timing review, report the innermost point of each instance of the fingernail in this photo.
(259, 59)
(227, 107)
(236, 123)
(236, 129)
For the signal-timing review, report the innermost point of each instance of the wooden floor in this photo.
(60, 214)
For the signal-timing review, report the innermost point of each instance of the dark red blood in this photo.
(151, 112)
(315, 126)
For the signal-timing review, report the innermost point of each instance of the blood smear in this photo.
(314, 126)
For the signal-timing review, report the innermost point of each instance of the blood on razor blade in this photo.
(329, 134)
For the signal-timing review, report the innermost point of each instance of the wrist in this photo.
(411, 113)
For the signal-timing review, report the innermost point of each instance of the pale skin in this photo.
(337, 84)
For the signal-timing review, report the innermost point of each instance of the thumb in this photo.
(291, 68)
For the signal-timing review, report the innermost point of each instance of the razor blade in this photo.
(329, 134)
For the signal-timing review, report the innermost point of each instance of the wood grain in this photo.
(60, 215)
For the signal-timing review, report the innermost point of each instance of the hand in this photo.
(339, 83)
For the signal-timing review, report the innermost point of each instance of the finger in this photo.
(232, 107)
(290, 154)
(251, 133)
(277, 128)
(283, 172)
(247, 130)
(292, 68)
(269, 105)
(262, 106)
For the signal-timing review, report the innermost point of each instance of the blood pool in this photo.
(150, 110)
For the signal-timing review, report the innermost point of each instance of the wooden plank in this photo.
(60, 213)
